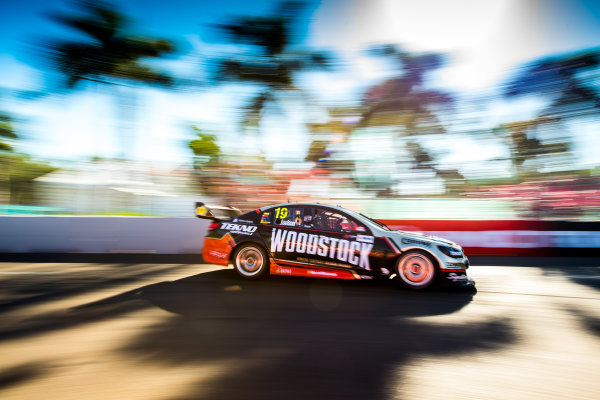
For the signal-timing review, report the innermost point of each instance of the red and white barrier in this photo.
(511, 237)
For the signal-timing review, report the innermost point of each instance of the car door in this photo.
(316, 236)
(335, 239)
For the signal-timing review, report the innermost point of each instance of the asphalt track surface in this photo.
(194, 331)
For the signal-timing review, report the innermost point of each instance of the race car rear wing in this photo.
(216, 212)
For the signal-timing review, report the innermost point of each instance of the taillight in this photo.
(213, 226)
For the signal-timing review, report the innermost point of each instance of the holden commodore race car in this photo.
(316, 240)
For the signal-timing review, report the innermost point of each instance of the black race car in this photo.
(316, 240)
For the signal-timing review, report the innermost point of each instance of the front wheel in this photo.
(416, 269)
(250, 261)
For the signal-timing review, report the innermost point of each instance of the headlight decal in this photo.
(451, 252)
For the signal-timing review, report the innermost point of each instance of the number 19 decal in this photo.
(281, 212)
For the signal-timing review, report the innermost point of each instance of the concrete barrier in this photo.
(48, 234)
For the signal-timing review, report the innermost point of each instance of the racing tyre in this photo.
(250, 261)
(416, 270)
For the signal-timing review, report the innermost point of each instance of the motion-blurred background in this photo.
(461, 109)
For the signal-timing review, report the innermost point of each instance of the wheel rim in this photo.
(249, 261)
(416, 270)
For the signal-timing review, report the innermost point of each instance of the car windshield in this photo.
(361, 216)
(379, 224)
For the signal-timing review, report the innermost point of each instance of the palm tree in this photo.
(404, 102)
(523, 147)
(109, 54)
(17, 171)
(563, 80)
(6, 132)
(273, 62)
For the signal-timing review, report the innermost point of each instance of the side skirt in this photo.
(292, 269)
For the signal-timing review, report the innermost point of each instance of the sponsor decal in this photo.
(287, 223)
(452, 265)
(280, 270)
(415, 241)
(236, 228)
(457, 278)
(336, 249)
(217, 254)
(265, 218)
(308, 218)
(321, 273)
(365, 239)
(298, 221)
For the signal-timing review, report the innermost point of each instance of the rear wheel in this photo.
(250, 261)
(416, 269)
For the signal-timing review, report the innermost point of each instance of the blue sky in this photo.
(485, 42)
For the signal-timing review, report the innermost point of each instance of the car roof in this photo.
(352, 213)
(307, 204)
